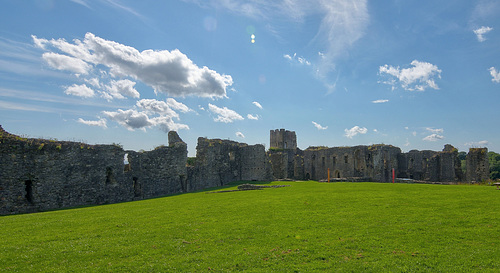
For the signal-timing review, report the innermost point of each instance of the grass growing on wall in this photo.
(302, 228)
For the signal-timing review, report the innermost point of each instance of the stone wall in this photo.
(283, 139)
(478, 168)
(39, 175)
(431, 165)
(219, 162)
(375, 162)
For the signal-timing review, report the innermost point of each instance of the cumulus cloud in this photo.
(257, 104)
(481, 31)
(169, 72)
(63, 62)
(380, 101)
(318, 126)
(433, 137)
(153, 106)
(81, 90)
(133, 119)
(417, 78)
(172, 103)
(121, 88)
(240, 134)
(495, 74)
(252, 117)
(224, 114)
(130, 119)
(350, 133)
(100, 123)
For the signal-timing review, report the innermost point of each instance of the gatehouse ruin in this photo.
(40, 175)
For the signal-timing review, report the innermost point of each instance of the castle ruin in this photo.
(39, 175)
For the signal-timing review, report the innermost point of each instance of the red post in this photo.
(328, 175)
(393, 175)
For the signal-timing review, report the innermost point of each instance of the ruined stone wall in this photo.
(219, 162)
(39, 175)
(427, 165)
(285, 162)
(375, 162)
(283, 139)
(478, 168)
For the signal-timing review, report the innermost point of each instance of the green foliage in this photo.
(494, 160)
(308, 227)
(462, 155)
(191, 161)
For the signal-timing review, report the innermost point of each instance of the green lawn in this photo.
(306, 227)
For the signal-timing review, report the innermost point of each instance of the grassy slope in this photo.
(306, 227)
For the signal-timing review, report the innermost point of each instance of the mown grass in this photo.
(306, 227)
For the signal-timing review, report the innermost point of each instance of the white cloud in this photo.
(224, 114)
(417, 78)
(100, 123)
(117, 89)
(240, 134)
(407, 143)
(130, 119)
(481, 31)
(153, 106)
(170, 72)
(433, 137)
(133, 119)
(296, 59)
(414, 133)
(252, 117)
(257, 104)
(481, 143)
(495, 74)
(436, 131)
(172, 103)
(318, 126)
(380, 101)
(63, 62)
(350, 133)
(79, 90)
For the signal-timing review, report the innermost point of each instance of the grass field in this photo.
(306, 227)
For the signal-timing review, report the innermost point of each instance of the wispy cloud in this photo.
(297, 59)
(343, 22)
(252, 117)
(99, 123)
(257, 104)
(224, 114)
(481, 143)
(380, 101)
(433, 137)
(480, 32)
(433, 130)
(495, 74)
(318, 126)
(350, 133)
(420, 76)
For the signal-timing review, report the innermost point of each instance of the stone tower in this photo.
(478, 168)
(283, 139)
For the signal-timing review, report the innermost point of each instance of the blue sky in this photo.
(414, 74)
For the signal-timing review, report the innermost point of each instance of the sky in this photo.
(413, 74)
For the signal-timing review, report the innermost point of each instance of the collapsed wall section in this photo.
(219, 162)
